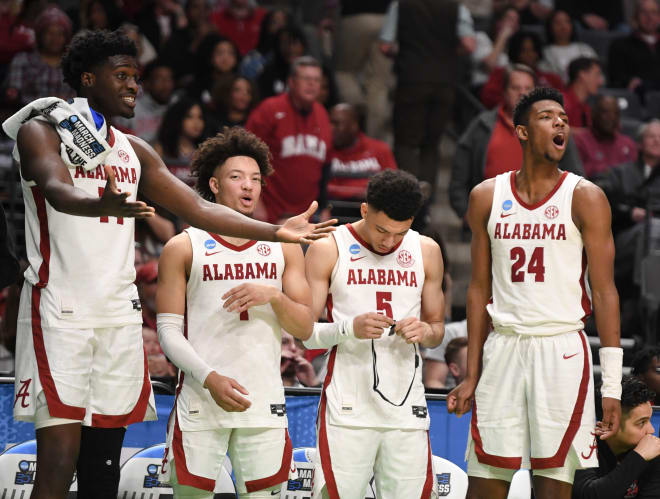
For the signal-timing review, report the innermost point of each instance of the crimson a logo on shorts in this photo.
(551, 212)
(123, 155)
(404, 258)
(263, 249)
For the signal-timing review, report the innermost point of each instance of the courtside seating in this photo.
(139, 477)
(18, 468)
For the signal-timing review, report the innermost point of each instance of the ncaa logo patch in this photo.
(506, 205)
(354, 249)
(551, 212)
(404, 258)
(209, 244)
(263, 249)
(123, 155)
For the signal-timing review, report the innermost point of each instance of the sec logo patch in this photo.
(263, 249)
(551, 212)
(123, 155)
(404, 258)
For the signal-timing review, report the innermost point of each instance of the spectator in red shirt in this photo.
(296, 128)
(585, 78)
(524, 48)
(602, 146)
(354, 157)
(240, 22)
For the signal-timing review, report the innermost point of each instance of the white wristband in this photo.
(611, 364)
(329, 334)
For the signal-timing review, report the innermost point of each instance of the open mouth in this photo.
(246, 200)
(559, 140)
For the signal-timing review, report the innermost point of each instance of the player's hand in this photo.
(370, 326)
(648, 447)
(114, 203)
(611, 418)
(225, 391)
(412, 329)
(240, 298)
(459, 400)
(299, 229)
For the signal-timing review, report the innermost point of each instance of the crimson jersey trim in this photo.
(540, 203)
(231, 246)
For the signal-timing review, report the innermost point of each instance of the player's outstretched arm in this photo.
(430, 330)
(173, 268)
(292, 305)
(39, 149)
(459, 399)
(163, 188)
(592, 215)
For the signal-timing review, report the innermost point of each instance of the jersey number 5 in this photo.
(518, 257)
(383, 299)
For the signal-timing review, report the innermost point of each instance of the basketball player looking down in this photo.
(237, 294)
(533, 234)
(375, 274)
(79, 341)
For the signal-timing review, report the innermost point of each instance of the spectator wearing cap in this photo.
(646, 366)
(585, 78)
(603, 146)
(38, 73)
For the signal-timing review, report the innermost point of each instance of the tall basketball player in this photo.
(237, 295)
(376, 277)
(79, 347)
(542, 254)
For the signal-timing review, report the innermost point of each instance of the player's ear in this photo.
(87, 79)
(363, 210)
(521, 132)
(214, 186)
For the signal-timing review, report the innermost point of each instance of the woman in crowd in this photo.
(231, 103)
(524, 48)
(562, 46)
(179, 134)
(254, 61)
(216, 63)
(290, 43)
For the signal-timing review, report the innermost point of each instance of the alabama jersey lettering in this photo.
(539, 264)
(246, 346)
(391, 284)
(57, 243)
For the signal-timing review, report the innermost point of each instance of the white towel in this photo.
(82, 145)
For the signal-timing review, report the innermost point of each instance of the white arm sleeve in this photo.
(329, 334)
(178, 349)
(611, 362)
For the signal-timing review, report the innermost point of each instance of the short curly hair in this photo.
(214, 151)
(395, 192)
(521, 112)
(89, 49)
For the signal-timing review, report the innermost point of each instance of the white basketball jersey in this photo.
(539, 266)
(364, 281)
(85, 266)
(246, 347)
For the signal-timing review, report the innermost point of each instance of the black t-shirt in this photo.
(629, 477)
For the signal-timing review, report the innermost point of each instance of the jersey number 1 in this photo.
(535, 266)
(104, 219)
